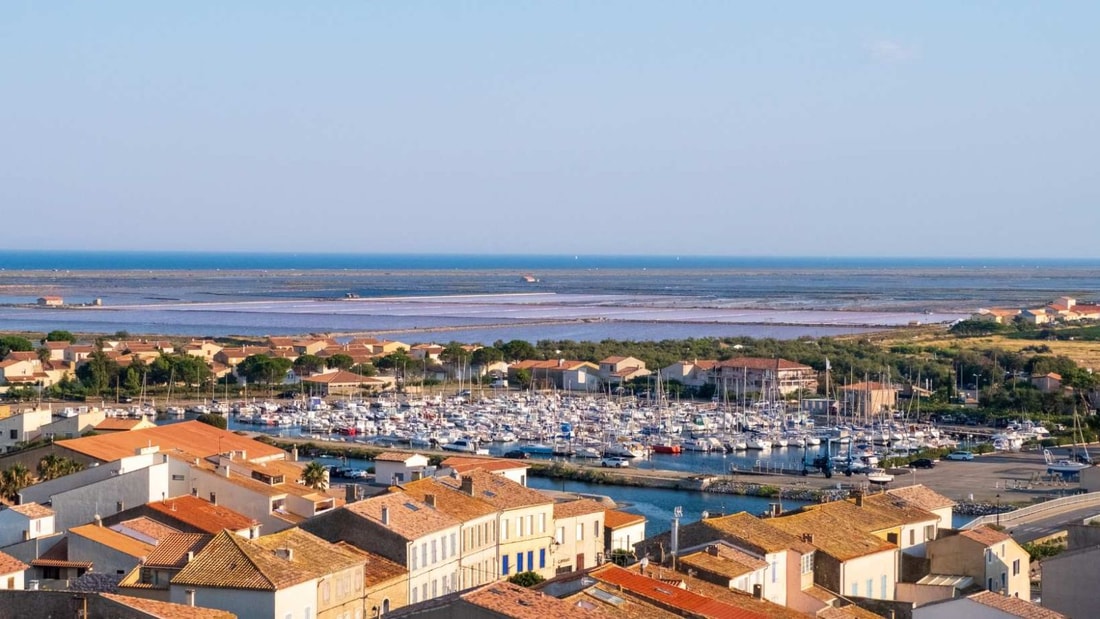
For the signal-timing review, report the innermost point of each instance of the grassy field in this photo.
(1084, 353)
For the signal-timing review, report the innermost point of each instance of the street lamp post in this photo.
(998, 510)
(977, 387)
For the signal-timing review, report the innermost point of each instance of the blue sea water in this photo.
(621, 297)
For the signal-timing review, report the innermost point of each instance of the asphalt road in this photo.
(1052, 524)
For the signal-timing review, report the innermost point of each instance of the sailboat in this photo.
(1064, 468)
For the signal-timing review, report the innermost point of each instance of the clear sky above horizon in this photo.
(616, 127)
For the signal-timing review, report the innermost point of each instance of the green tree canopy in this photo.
(213, 419)
(9, 343)
(264, 369)
(58, 335)
(340, 361)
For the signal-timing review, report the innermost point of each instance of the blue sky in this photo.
(763, 129)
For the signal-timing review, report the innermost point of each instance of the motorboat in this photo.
(879, 476)
(1062, 467)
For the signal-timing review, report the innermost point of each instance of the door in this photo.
(580, 562)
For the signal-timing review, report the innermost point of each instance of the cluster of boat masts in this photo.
(586, 426)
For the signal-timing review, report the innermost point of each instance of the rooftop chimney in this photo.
(859, 499)
(285, 553)
(190, 556)
(808, 538)
(386, 516)
(468, 485)
(712, 550)
(430, 500)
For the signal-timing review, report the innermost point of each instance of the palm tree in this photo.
(14, 479)
(315, 475)
(53, 466)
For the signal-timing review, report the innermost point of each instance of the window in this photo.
(309, 613)
(454, 544)
(415, 556)
(385, 606)
(1002, 550)
(882, 585)
(504, 530)
(435, 553)
(988, 556)
(775, 566)
(424, 554)
(416, 595)
(446, 583)
(424, 591)
(177, 478)
(855, 589)
(1016, 567)
(596, 529)
(580, 531)
(807, 563)
(542, 522)
(14, 434)
(11, 582)
(870, 588)
(504, 565)
(559, 537)
(912, 537)
(530, 559)
(542, 558)
(435, 588)
(325, 592)
(519, 561)
(929, 532)
(519, 526)
(531, 524)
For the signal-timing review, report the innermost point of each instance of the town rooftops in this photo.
(986, 536)
(922, 497)
(58, 556)
(378, 569)
(118, 424)
(167, 610)
(762, 363)
(10, 565)
(668, 595)
(501, 492)
(232, 562)
(113, 539)
(724, 561)
(507, 600)
(832, 533)
(202, 514)
(877, 512)
(447, 499)
(578, 507)
(146, 527)
(343, 377)
(402, 514)
(850, 611)
(464, 464)
(309, 552)
(32, 510)
(1014, 606)
(744, 530)
(396, 456)
(189, 438)
(616, 519)
(172, 551)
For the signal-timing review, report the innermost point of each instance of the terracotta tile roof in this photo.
(145, 526)
(725, 561)
(760, 363)
(832, 533)
(394, 456)
(342, 377)
(232, 562)
(113, 539)
(740, 599)
(192, 438)
(501, 492)
(202, 514)
(408, 517)
(1014, 606)
(850, 611)
(922, 497)
(32, 510)
(167, 610)
(820, 593)
(454, 503)
(986, 536)
(10, 565)
(615, 519)
(579, 507)
(607, 598)
(670, 596)
(172, 551)
(741, 529)
(463, 464)
(58, 556)
(310, 553)
(508, 600)
(378, 569)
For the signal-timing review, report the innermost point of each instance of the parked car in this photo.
(922, 463)
(615, 463)
(960, 455)
(517, 454)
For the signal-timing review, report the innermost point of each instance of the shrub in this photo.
(526, 579)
